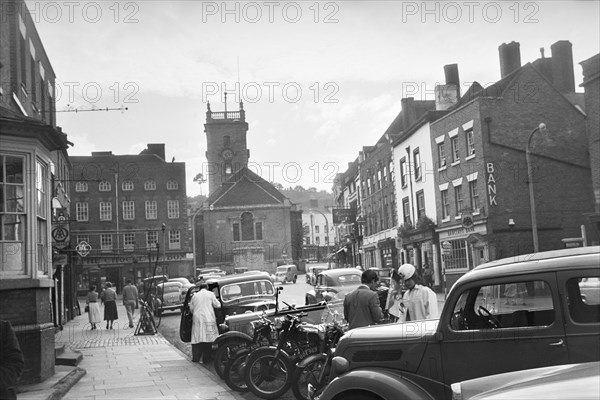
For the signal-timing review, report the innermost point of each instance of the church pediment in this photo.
(245, 190)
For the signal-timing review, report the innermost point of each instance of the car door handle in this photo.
(559, 343)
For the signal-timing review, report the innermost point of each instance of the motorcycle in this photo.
(268, 370)
(263, 334)
(311, 374)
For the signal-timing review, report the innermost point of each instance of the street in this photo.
(292, 293)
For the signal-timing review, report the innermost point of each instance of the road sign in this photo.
(83, 248)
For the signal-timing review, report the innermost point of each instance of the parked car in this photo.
(204, 273)
(312, 272)
(286, 273)
(168, 297)
(335, 282)
(185, 284)
(564, 382)
(486, 327)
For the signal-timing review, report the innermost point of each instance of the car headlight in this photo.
(340, 365)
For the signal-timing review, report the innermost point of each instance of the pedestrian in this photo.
(427, 275)
(109, 297)
(204, 328)
(419, 301)
(394, 300)
(13, 362)
(362, 306)
(130, 300)
(93, 307)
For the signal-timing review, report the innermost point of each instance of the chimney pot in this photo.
(510, 58)
(563, 75)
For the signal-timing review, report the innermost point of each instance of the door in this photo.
(501, 326)
(580, 291)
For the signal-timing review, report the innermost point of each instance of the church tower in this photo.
(226, 148)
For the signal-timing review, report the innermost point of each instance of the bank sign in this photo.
(491, 184)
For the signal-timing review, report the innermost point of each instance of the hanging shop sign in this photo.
(491, 185)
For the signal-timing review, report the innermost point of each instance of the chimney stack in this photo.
(451, 74)
(510, 58)
(447, 95)
(563, 75)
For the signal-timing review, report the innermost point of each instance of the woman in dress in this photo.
(109, 297)
(93, 306)
(420, 301)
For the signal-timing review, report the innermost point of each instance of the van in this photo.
(286, 273)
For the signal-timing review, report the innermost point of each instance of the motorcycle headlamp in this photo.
(278, 323)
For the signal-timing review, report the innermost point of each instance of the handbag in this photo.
(87, 308)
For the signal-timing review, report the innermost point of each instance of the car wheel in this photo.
(295, 277)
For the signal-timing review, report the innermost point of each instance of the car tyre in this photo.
(295, 277)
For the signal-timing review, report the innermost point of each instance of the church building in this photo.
(246, 221)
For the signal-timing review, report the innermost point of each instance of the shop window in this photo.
(12, 213)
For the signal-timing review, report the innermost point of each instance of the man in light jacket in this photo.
(204, 328)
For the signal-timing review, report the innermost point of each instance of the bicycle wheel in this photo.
(266, 375)
(308, 374)
(234, 371)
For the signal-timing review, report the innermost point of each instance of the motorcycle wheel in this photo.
(268, 384)
(308, 374)
(234, 371)
(224, 354)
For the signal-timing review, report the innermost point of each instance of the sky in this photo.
(319, 79)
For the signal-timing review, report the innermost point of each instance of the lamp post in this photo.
(542, 128)
(164, 256)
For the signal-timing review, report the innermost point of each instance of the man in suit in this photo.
(362, 307)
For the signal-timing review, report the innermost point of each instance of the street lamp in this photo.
(164, 257)
(542, 128)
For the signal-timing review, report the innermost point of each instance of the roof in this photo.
(334, 273)
(16, 124)
(246, 188)
(548, 261)
(235, 278)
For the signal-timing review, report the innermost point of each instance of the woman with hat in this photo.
(420, 302)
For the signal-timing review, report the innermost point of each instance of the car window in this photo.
(230, 292)
(584, 299)
(510, 305)
(348, 279)
(171, 289)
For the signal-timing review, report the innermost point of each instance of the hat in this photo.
(406, 271)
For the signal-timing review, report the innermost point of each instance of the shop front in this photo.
(462, 249)
(420, 248)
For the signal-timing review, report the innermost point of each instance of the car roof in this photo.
(556, 260)
(172, 283)
(234, 278)
(334, 273)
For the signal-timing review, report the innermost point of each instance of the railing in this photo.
(226, 115)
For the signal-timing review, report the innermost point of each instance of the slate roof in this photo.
(246, 188)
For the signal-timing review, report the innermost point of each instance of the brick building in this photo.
(591, 84)
(246, 221)
(33, 167)
(482, 196)
(131, 210)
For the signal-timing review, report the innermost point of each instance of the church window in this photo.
(247, 228)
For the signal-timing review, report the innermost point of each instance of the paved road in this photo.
(169, 326)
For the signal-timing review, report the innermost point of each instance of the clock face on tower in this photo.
(227, 154)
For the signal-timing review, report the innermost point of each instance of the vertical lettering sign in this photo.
(491, 185)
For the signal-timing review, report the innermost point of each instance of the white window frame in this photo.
(470, 139)
(129, 210)
(173, 209)
(106, 242)
(151, 240)
(105, 208)
(445, 204)
(127, 186)
(81, 187)
(455, 150)
(129, 241)
(174, 240)
(104, 186)
(150, 185)
(151, 209)
(82, 211)
(172, 184)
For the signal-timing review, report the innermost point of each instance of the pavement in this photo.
(117, 364)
